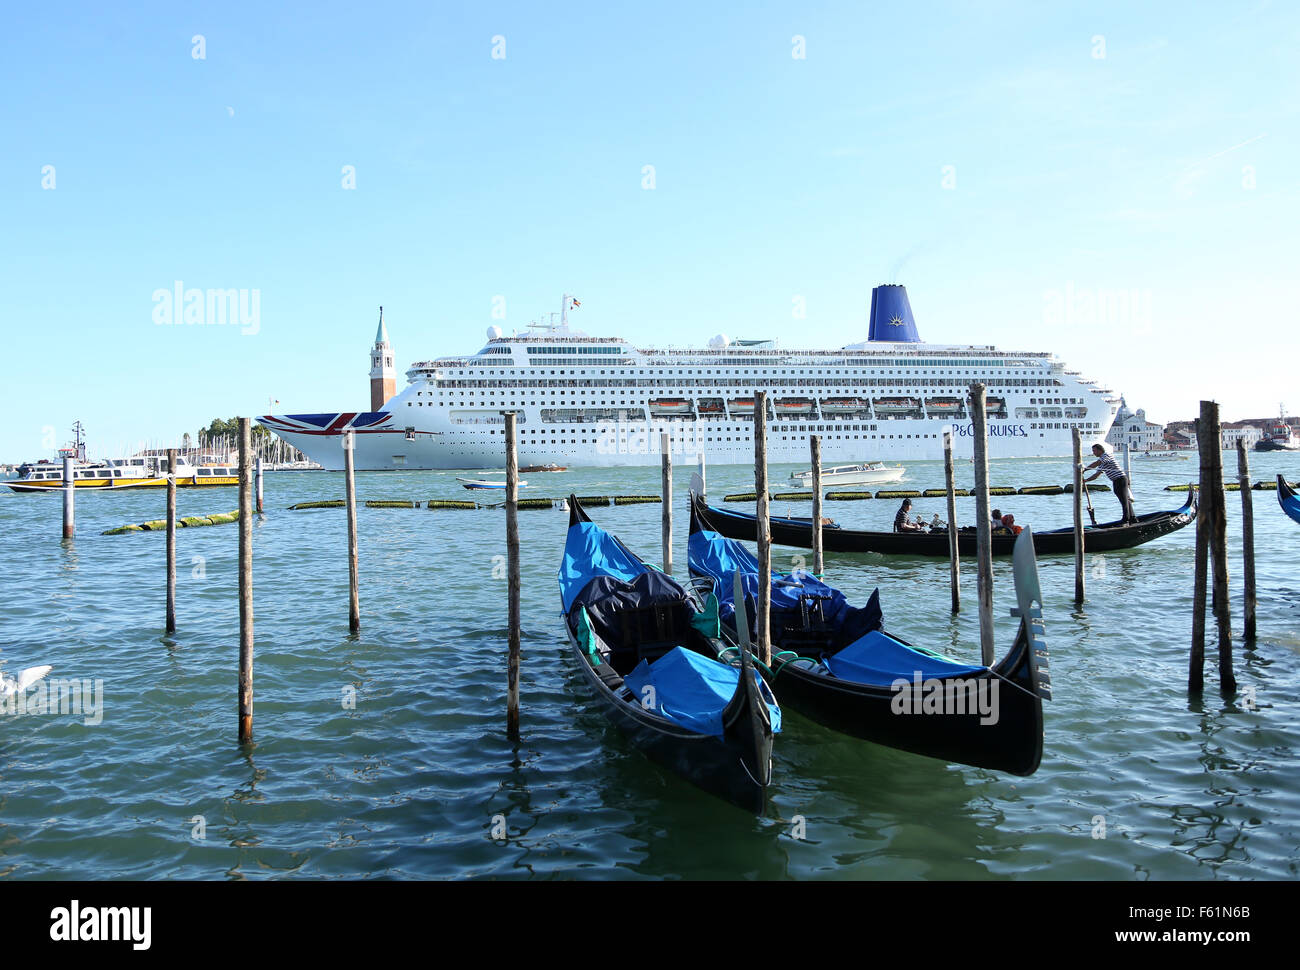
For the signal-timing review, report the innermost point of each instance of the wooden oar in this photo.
(1087, 492)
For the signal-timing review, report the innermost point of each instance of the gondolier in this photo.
(1118, 480)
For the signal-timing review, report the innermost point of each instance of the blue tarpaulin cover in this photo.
(711, 554)
(690, 689)
(590, 551)
(879, 659)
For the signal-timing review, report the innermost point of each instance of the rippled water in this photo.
(407, 782)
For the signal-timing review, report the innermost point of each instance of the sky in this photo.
(1114, 183)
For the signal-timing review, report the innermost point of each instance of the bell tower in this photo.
(383, 378)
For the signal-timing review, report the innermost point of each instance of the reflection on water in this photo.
(384, 753)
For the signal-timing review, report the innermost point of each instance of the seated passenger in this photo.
(1009, 523)
(902, 523)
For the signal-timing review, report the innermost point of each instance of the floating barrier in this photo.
(535, 503)
(190, 522)
(593, 501)
(636, 499)
(1091, 487)
(1041, 490)
(792, 497)
(331, 504)
(743, 497)
(847, 496)
(1232, 487)
(943, 492)
(387, 504)
(900, 493)
(1002, 490)
(448, 503)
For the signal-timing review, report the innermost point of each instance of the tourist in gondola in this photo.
(1118, 480)
(1009, 523)
(902, 523)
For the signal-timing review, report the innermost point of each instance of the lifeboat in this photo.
(845, 405)
(741, 405)
(794, 405)
(710, 405)
(996, 406)
(670, 405)
(937, 406)
(896, 405)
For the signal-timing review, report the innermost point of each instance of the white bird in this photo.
(11, 685)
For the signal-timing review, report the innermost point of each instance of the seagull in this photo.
(10, 685)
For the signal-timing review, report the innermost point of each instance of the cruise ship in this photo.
(600, 401)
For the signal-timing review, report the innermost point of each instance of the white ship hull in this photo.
(389, 448)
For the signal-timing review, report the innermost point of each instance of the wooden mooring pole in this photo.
(1211, 545)
(350, 497)
(1219, 551)
(69, 499)
(245, 584)
(819, 560)
(259, 484)
(954, 564)
(1196, 665)
(171, 540)
(1247, 540)
(666, 483)
(512, 580)
(763, 619)
(983, 528)
(1079, 486)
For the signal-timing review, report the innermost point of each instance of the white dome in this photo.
(493, 333)
(720, 342)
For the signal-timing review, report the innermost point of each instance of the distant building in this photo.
(383, 377)
(1133, 428)
(1180, 439)
(1244, 430)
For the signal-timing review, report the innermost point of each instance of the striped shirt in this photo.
(1107, 464)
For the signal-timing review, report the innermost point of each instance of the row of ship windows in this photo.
(666, 372)
(841, 380)
(739, 439)
(1085, 425)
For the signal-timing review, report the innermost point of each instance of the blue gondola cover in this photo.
(690, 689)
(590, 551)
(879, 659)
(711, 554)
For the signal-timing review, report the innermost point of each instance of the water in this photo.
(406, 783)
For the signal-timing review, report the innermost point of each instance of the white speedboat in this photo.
(1161, 456)
(486, 483)
(871, 473)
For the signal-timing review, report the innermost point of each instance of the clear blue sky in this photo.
(775, 177)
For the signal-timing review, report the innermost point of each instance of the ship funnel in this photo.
(891, 315)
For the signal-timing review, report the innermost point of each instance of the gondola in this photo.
(797, 532)
(836, 664)
(650, 650)
(1287, 498)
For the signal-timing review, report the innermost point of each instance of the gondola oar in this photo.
(1087, 492)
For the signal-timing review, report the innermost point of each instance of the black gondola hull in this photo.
(1008, 737)
(798, 533)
